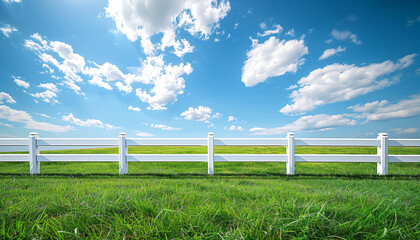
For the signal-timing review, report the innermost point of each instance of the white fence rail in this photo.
(290, 158)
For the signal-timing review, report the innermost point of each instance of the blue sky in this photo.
(185, 68)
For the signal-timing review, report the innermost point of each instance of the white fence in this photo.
(35, 158)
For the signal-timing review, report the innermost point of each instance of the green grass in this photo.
(242, 201)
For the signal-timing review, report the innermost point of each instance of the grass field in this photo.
(242, 201)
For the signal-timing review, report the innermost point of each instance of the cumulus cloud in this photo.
(47, 96)
(197, 114)
(368, 107)
(291, 32)
(164, 127)
(331, 52)
(277, 29)
(344, 36)
(12, 1)
(21, 83)
(403, 109)
(88, 123)
(321, 122)
(7, 30)
(6, 97)
(232, 118)
(272, 58)
(144, 19)
(235, 128)
(136, 109)
(167, 80)
(13, 115)
(341, 82)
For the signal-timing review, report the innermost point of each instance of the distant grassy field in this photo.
(242, 201)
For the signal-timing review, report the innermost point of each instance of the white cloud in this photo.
(7, 30)
(21, 83)
(142, 18)
(405, 108)
(235, 128)
(47, 96)
(321, 122)
(331, 52)
(277, 29)
(197, 114)
(272, 58)
(6, 97)
(43, 115)
(232, 118)
(368, 107)
(291, 32)
(164, 127)
(13, 115)
(143, 134)
(88, 123)
(167, 81)
(341, 82)
(49, 86)
(345, 35)
(12, 1)
(136, 109)
(263, 25)
(236, 26)
(405, 131)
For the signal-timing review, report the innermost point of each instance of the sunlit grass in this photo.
(242, 201)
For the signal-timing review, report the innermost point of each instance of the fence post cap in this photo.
(33, 134)
(123, 133)
(211, 133)
(290, 134)
(383, 134)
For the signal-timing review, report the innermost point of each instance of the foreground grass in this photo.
(178, 201)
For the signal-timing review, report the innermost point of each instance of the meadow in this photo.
(241, 201)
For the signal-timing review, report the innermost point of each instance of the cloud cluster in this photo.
(164, 127)
(13, 115)
(144, 19)
(88, 123)
(277, 29)
(21, 83)
(272, 58)
(344, 36)
(331, 52)
(341, 82)
(197, 114)
(7, 30)
(321, 122)
(6, 97)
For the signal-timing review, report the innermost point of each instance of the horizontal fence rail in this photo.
(382, 158)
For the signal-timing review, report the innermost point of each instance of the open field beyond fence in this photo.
(243, 200)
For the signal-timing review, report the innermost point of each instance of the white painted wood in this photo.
(122, 154)
(167, 158)
(14, 142)
(250, 158)
(14, 157)
(250, 142)
(404, 142)
(290, 152)
(34, 165)
(382, 165)
(78, 142)
(404, 158)
(166, 142)
(336, 158)
(336, 142)
(210, 152)
(78, 158)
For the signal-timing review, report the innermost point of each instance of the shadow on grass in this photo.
(220, 175)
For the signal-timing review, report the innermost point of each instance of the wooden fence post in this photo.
(122, 147)
(290, 149)
(382, 166)
(34, 165)
(210, 151)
